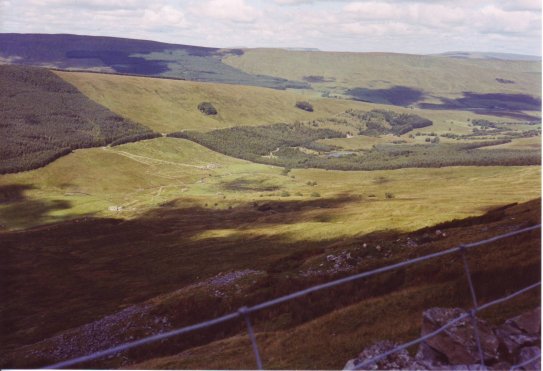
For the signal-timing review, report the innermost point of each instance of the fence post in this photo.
(475, 305)
(244, 311)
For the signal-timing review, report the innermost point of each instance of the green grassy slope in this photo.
(143, 175)
(170, 105)
(167, 105)
(436, 76)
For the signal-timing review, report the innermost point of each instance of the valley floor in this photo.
(147, 219)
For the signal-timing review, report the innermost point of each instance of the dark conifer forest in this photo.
(42, 118)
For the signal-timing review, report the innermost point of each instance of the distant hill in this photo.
(303, 49)
(491, 86)
(490, 55)
(488, 83)
(130, 56)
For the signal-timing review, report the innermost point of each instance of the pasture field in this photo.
(128, 180)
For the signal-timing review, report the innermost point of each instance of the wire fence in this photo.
(245, 312)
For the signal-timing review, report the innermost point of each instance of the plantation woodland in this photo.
(42, 118)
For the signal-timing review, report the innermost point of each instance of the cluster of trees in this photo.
(484, 129)
(43, 118)
(279, 145)
(387, 156)
(135, 138)
(253, 142)
(306, 106)
(379, 122)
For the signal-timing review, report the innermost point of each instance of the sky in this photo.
(404, 26)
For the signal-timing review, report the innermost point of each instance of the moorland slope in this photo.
(112, 243)
(151, 275)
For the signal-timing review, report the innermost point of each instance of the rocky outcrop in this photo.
(457, 344)
(514, 342)
(400, 360)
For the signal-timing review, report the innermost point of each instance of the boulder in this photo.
(511, 339)
(512, 343)
(528, 323)
(457, 344)
(527, 354)
(400, 360)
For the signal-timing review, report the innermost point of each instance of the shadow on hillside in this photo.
(495, 104)
(17, 209)
(91, 267)
(13, 192)
(396, 95)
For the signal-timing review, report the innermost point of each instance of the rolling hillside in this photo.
(479, 85)
(160, 214)
(170, 105)
(490, 55)
(433, 76)
(130, 56)
(482, 84)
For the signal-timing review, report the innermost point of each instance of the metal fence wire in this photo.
(245, 312)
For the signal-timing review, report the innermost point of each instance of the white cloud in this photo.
(228, 10)
(89, 4)
(293, 2)
(165, 15)
(496, 20)
(522, 4)
(415, 26)
(373, 10)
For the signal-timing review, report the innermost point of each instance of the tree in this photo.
(207, 108)
(306, 106)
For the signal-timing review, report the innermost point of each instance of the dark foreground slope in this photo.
(131, 56)
(151, 274)
(42, 117)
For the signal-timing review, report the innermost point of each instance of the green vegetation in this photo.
(485, 129)
(151, 222)
(293, 146)
(306, 106)
(210, 68)
(254, 142)
(133, 57)
(207, 108)
(44, 118)
(333, 74)
(111, 260)
(171, 105)
(379, 122)
(144, 175)
(134, 138)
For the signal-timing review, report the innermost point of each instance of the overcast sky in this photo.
(423, 26)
